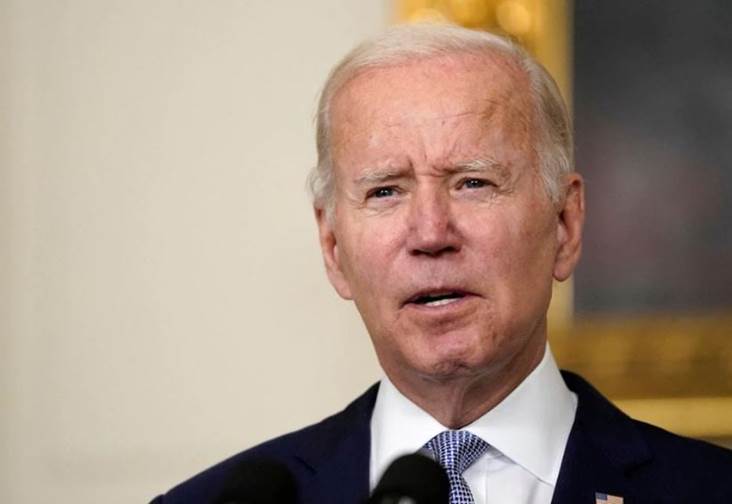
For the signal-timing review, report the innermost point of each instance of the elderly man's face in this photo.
(443, 234)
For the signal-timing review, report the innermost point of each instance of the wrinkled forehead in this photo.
(438, 111)
(426, 88)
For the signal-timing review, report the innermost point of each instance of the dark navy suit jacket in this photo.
(607, 452)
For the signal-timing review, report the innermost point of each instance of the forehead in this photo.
(428, 97)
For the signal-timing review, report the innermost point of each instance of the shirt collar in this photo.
(530, 426)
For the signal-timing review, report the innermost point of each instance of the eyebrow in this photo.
(481, 165)
(380, 176)
(486, 164)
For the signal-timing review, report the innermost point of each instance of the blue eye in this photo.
(474, 183)
(382, 192)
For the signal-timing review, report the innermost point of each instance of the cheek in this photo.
(532, 270)
(367, 258)
(493, 238)
(515, 250)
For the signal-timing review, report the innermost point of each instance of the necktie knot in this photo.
(456, 450)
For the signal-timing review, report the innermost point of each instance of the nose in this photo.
(432, 230)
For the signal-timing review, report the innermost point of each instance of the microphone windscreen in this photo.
(259, 482)
(414, 477)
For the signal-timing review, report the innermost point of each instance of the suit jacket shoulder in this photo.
(608, 452)
(329, 460)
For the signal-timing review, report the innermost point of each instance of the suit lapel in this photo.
(337, 454)
(604, 447)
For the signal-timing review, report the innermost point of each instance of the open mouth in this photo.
(436, 298)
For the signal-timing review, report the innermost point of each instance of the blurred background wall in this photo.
(163, 303)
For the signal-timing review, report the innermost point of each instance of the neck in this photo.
(456, 401)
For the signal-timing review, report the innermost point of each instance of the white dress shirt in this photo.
(527, 433)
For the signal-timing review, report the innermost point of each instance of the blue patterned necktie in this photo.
(456, 451)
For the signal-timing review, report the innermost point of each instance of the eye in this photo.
(382, 192)
(473, 183)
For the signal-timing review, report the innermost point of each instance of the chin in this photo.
(456, 364)
(450, 370)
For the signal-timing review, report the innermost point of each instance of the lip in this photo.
(462, 295)
(453, 308)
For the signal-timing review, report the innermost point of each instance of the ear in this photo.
(571, 219)
(329, 249)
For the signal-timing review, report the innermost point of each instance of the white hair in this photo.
(552, 124)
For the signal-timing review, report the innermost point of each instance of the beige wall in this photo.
(162, 299)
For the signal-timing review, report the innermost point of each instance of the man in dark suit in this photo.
(447, 204)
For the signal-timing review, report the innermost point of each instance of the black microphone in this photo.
(260, 481)
(412, 479)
